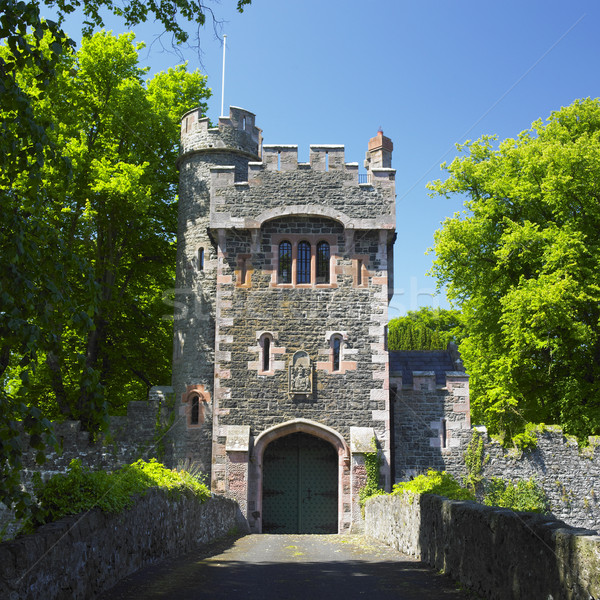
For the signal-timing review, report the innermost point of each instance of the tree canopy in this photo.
(425, 329)
(522, 261)
(88, 237)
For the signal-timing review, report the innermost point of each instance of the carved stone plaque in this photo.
(300, 374)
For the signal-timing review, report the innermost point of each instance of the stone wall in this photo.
(497, 553)
(301, 319)
(432, 426)
(569, 475)
(368, 206)
(79, 557)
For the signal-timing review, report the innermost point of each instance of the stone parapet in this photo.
(431, 416)
(280, 186)
(79, 557)
(497, 553)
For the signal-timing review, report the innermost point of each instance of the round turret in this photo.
(236, 133)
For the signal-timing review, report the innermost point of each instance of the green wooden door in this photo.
(300, 485)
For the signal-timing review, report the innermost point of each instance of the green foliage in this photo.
(425, 329)
(81, 489)
(372, 467)
(117, 215)
(526, 496)
(475, 459)
(528, 438)
(31, 290)
(523, 262)
(35, 258)
(192, 468)
(435, 482)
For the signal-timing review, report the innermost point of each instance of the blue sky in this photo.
(430, 73)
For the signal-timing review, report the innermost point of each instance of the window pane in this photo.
(266, 353)
(337, 344)
(303, 262)
(322, 262)
(285, 262)
(194, 417)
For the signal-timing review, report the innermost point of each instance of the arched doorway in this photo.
(300, 485)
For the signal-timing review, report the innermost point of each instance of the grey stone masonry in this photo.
(78, 557)
(570, 475)
(431, 418)
(232, 144)
(310, 190)
(497, 553)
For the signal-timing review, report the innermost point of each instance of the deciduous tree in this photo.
(522, 261)
(88, 198)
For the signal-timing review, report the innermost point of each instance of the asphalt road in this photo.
(289, 567)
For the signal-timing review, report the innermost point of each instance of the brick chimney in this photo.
(380, 152)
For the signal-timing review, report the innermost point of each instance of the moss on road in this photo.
(290, 567)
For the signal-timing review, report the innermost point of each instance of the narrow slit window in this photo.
(303, 262)
(195, 411)
(327, 161)
(266, 358)
(285, 262)
(243, 272)
(359, 272)
(323, 262)
(337, 351)
(200, 259)
(444, 433)
(279, 161)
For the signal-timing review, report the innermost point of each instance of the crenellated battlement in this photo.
(323, 158)
(236, 133)
(325, 186)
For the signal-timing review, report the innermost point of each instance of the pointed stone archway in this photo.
(318, 451)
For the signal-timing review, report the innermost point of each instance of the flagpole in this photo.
(223, 79)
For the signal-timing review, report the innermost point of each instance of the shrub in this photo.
(80, 489)
(527, 496)
(435, 482)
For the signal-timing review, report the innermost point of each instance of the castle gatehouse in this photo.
(281, 373)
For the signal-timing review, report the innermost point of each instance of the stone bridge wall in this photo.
(79, 557)
(499, 554)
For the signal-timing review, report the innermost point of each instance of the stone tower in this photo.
(232, 144)
(284, 276)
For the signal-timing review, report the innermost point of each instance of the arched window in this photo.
(336, 345)
(195, 411)
(266, 353)
(322, 262)
(200, 259)
(303, 262)
(285, 262)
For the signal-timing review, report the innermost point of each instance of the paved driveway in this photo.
(289, 567)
